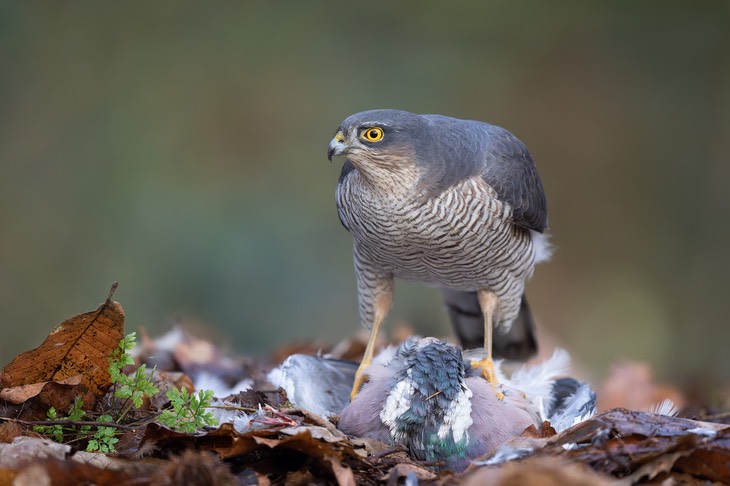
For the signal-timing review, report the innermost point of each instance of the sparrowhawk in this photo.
(455, 204)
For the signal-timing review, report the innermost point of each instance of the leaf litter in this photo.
(262, 439)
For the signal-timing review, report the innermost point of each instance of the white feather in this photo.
(536, 382)
(665, 407)
(457, 417)
(397, 403)
(384, 357)
(543, 248)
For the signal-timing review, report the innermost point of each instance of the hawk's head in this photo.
(380, 139)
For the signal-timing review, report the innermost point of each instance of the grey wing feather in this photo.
(315, 383)
(509, 169)
(574, 402)
(469, 148)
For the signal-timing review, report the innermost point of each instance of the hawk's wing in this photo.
(459, 149)
(509, 169)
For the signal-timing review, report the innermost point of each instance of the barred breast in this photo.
(463, 239)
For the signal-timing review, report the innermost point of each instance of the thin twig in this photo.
(234, 407)
(111, 292)
(715, 416)
(389, 451)
(69, 422)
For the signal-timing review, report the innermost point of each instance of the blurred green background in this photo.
(179, 148)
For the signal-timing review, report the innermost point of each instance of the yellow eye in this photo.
(372, 134)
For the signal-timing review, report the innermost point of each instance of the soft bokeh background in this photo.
(179, 148)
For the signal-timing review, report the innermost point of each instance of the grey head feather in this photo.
(449, 151)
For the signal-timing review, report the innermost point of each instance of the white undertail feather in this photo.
(536, 382)
(543, 247)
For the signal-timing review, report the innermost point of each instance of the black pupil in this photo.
(373, 134)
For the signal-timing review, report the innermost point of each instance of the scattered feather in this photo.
(665, 407)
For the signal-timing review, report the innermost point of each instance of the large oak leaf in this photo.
(80, 345)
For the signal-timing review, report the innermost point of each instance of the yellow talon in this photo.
(486, 366)
(360, 379)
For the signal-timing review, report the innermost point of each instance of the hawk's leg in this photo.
(383, 301)
(488, 304)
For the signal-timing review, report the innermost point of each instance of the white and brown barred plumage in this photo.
(451, 203)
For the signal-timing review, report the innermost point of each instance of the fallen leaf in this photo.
(9, 431)
(711, 460)
(70, 473)
(19, 394)
(640, 445)
(322, 453)
(80, 345)
(343, 474)
(273, 452)
(660, 465)
(316, 431)
(398, 473)
(545, 471)
(193, 468)
(24, 450)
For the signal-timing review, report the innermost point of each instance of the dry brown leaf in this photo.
(70, 473)
(711, 461)
(165, 381)
(80, 345)
(19, 394)
(398, 473)
(639, 445)
(193, 467)
(24, 450)
(273, 452)
(343, 474)
(319, 433)
(9, 431)
(545, 471)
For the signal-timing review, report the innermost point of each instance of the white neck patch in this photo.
(457, 417)
(397, 403)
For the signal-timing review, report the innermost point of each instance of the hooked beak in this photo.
(337, 146)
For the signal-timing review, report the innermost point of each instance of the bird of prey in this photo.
(455, 204)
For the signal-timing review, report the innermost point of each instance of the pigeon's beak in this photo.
(337, 145)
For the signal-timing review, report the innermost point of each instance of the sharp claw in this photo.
(486, 366)
(359, 380)
(355, 389)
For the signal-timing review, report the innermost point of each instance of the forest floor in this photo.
(80, 409)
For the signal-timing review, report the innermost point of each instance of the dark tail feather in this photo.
(467, 321)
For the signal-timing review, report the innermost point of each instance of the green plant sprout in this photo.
(188, 410)
(187, 414)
